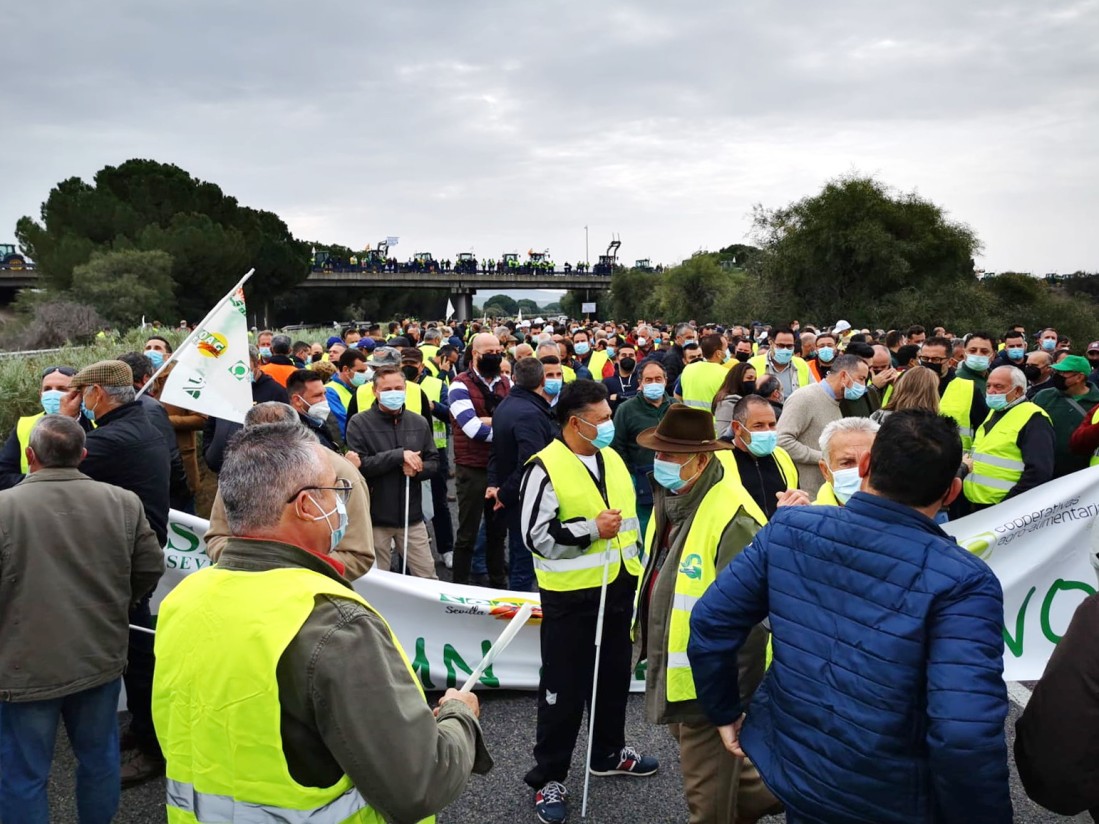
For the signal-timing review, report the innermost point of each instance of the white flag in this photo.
(449, 309)
(391, 240)
(212, 369)
(519, 319)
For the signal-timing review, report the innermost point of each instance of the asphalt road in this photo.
(501, 797)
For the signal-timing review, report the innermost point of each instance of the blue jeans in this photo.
(520, 561)
(28, 731)
(480, 559)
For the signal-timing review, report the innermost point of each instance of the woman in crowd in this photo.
(740, 381)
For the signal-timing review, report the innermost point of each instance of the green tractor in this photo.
(466, 264)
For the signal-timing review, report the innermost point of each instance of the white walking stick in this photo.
(407, 487)
(595, 677)
(506, 637)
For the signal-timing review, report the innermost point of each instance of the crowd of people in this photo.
(752, 512)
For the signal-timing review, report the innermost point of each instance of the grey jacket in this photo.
(75, 554)
(349, 705)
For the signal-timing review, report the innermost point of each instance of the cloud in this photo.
(504, 127)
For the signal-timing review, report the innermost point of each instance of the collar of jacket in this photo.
(385, 414)
(680, 508)
(891, 513)
(55, 474)
(281, 360)
(263, 555)
(118, 413)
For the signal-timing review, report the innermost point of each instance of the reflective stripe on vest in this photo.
(785, 463)
(579, 497)
(997, 462)
(220, 735)
(801, 368)
(697, 570)
(23, 434)
(433, 388)
(700, 382)
(413, 400)
(957, 403)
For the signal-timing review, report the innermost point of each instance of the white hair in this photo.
(844, 425)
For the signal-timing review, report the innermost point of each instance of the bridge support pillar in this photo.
(463, 303)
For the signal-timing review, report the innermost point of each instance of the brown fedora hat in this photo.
(683, 429)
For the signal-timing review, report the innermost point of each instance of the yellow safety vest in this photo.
(887, 394)
(433, 388)
(997, 461)
(23, 433)
(413, 400)
(1095, 457)
(826, 496)
(578, 497)
(785, 463)
(598, 360)
(701, 381)
(430, 350)
(759, 363)
(341, 391)
(568, 373)
(957, 403)
(697, 570)
(220, 635)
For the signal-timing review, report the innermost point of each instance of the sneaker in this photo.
(448, 560)
(627, 762)
(550, 803)
(138, 767)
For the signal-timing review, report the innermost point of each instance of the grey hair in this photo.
(57, 441)
(527, 373)
(253, 352)
(844, 425)
(119, 394)
(432, 335)
(264, 466)
(271, 412)
(549, 348)
(1018, 377)
(847, 363)
(680, 328)
(744, 406)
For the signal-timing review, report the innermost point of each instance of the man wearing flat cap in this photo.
(702, 518)
(126, 450)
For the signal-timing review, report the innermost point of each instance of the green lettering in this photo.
(184, 532)
(1058, 586)
(421, 666)
(453, 662)
(1015, 645)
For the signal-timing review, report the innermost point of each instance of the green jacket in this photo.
(1066, 413)
(630, 419)
(968, 374)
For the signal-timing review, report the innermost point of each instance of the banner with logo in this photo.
(1039, 545)
(213, 372)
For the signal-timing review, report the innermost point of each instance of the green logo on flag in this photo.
(239, 370)
(194, 387)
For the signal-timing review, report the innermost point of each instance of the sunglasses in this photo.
(67, 371)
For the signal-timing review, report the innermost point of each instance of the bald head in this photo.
(485, 342)
(523, 350)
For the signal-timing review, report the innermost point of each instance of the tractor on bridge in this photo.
(509, 262)
(539, 261)
(423, 262)
(466, 264)
(607, 262)
(644, 265)
(10, 259)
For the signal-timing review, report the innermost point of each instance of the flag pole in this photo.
(190, 337)
(595, 677)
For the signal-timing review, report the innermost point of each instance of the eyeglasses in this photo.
(933, 361)
(342, 490)
(67, 371)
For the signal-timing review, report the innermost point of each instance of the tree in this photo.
(509, 306)
(127, 285)
(692, 289)
(634, 294)
(841, 252)
(528, 306)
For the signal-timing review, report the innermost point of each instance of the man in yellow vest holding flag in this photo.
(702, 518)
(579, 520)
(280, 694)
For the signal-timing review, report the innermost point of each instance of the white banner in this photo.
(1039, 545)
(212, 369)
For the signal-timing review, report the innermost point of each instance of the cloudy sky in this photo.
(504, 126)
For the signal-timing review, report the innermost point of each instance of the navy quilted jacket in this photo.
(886, 700)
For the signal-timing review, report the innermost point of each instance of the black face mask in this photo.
(748, 387)
(315, 357)
(627, 364)
(1033, 373)
(489, 365)
(743, 357)
(937, 368)
(1060, 381)
(411, 373)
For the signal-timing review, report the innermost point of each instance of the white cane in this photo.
(595, 677)
(407, 486)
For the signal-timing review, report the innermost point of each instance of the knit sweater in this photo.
(804, 416)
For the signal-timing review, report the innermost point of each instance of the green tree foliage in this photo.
(848, 250)
(126, 285)
(693, 289)
(509, 305)
(634, 294)
(528, 306)
(150, 206)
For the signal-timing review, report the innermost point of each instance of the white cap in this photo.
(540, 321)
(841, 326)
(524, 324)
(549, 328)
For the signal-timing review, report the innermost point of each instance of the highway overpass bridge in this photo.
(462, 286)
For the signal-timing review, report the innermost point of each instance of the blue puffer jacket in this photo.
(886, 700)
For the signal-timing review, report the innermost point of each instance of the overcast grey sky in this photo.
(504, 126)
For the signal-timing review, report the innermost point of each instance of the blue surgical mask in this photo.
(359, 378)
(1016, 352)
(653, 391)
(826, 354)
(392, 399)
(51, 401)
(763, 443)
(611, 351)
(666, 473)
(854, 391)
(995, 401)
(783, 356)
(978, 363)
(1049, 344)
(582, 348)
(265, 351)
(553, 386)
(341, 519)
(88, 413)
(604, 434)
(155, 356)
(845, 483)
